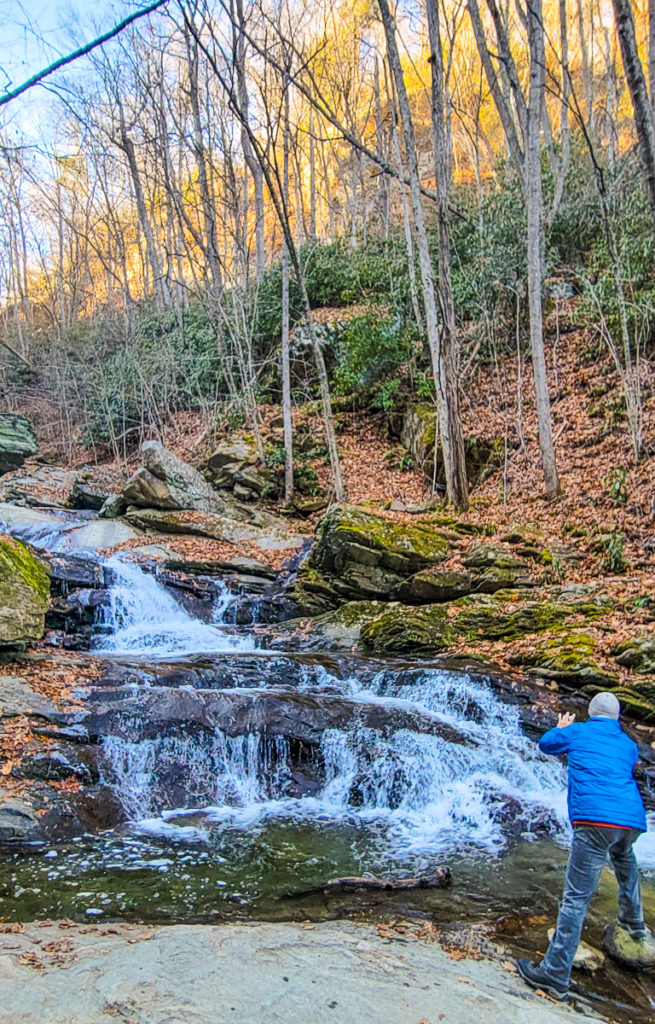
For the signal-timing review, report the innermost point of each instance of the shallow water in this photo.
(215, 829)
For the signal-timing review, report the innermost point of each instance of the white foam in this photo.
(144, 619)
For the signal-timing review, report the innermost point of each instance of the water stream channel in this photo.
(327, 765)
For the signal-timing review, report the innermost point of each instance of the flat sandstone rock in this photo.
(332, 973)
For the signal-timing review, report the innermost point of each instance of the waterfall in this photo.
(143, 618)
(421, 792)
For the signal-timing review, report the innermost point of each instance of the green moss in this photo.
(17, 560)
(24, 594)
(489, 621)
(637, 653)
(405, 630)
(570, 658)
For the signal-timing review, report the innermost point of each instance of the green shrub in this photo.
(369, 350)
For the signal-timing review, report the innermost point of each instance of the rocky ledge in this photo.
(330, 973)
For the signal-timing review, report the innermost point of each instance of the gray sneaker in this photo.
(535, 977)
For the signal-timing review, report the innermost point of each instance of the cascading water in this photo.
(428, 793)
(143, 619)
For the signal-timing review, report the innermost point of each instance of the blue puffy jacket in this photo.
(601, 759)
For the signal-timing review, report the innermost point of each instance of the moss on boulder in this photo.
(433, 586)
(17, 441)
(569, 659)
(490, 618)
(418, 435)
(637, 653)
(24, 594)
(489, 568)
(362, 556)
(433, 627)
(404, 630)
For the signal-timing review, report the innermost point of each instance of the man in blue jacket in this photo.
(607, 814)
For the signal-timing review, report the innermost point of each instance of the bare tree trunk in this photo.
(312, 177)
(409, 241)
(651, 54)
(443, 163)
(634, 74)
(249, 157)
(383, 183)
(514, 147)
(565, 134)
(127, 146)
(286, 376)
(587, 79)
(445, 386)
(206, 197)
(535, 216)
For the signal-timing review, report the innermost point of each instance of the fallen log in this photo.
(441, 878)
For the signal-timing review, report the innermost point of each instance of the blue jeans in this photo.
(589, 850)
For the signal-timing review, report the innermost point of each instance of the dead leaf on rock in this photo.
(31, 960)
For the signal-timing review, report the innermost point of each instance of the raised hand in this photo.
(566, 719)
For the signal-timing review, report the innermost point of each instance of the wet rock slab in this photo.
(298, 716)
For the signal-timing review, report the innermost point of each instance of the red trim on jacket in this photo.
(602, 824)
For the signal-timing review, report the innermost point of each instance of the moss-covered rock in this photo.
(17, 441)
(637, 653)
(569, 659)
(435, 627)
(404, 630)
(361, 556)
(433, 586)
(490, 618)
(638, 699)
(336, 630)
(489, 568)
(24, 594)
(639, 955)
(493, 556)
(418, 435)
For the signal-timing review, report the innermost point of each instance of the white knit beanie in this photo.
(604, 705)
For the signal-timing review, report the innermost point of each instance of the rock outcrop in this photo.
(418, 434)
(570, 660)
(24, 594)
(235, 465)
(17, 441)
(501, 616)
(362, 556)
(488, 568)
(637, 653)
(638, 955)
(165, 482)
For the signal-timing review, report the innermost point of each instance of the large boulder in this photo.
(637, 653)
(236, 465)
(165, 482)
(88, 495)
(409, 630)
(17, 441)
(630, 952)
(48, 486)
(19, 822)
(488, 568)
(437, 627)
(418, 435)
(24, 594)
(18, 698)
(570, 659)
(362, 556)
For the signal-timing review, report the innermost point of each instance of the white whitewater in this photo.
(144, 620)
(421, 794)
